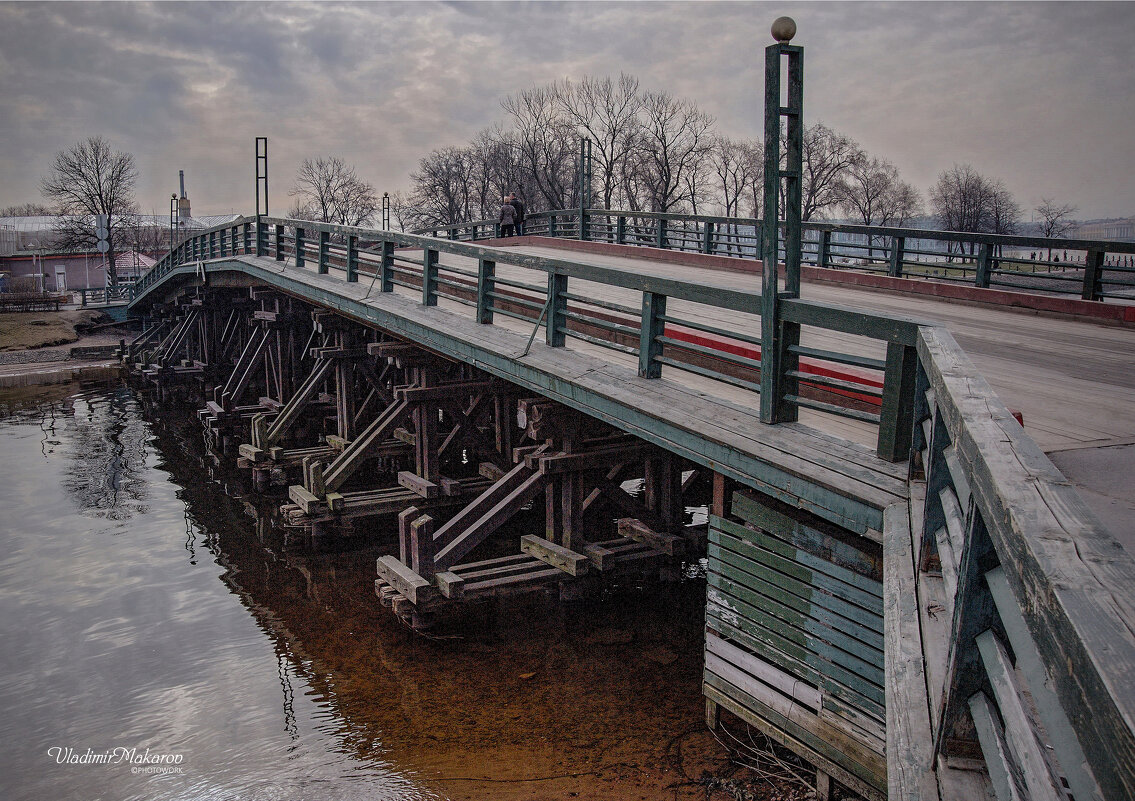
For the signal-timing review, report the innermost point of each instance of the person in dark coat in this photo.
(507, 217)
(518, 204)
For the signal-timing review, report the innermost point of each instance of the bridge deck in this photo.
(1072, 380)
(840, 480)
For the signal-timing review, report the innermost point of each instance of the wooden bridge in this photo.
(901, 586)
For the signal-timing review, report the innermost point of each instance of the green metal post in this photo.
(898, 248)
(486, 285)
(300, 245)
(557, 305)
(824, 250)
(621, 230)
(429, 277)
(584, 188)
(984, 266)
(660, 233)
(324, 246)
(279, 242)
(896, 417)
(352, 259)
(551, 223)
(707, 238)
(778, 336)
(386, 281)
(653, 326)
(1093, 276)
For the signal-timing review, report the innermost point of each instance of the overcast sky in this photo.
(1041, 95)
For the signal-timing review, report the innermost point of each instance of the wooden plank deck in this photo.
(1073, 380)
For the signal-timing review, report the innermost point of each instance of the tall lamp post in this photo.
(779, 336)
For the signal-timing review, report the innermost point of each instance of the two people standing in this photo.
(512, 216)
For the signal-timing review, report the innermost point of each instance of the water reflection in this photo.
(116, 635)
(285, 678)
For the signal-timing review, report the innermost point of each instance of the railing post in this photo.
(557, 305)
(429, 277)
(898, 246)
(660, 233)
(486, 284)
(824, 250)
(621, 230)
(1093, 275)
(300, 245)
(386, 280)
(896, 417)
(653, 326)
(496, 230)
(324, 246)
(352, 259)
(279, 242)
(984, 266)
(247, 247)
(584, 225)
(261, 237)
(707, 238)
(551, 223)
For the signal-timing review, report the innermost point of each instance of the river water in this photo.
(147, 605)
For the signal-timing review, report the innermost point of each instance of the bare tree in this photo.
(672, 145)
(872, 193)
(965, 200)
(1055, 220)
(827, 157)
(27, 210)
(442, 191)
(328, 190)
(545, 144)
(87, 180)
(606, 112)
(737, 168)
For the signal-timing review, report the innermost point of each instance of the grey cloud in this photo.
(1038, 94)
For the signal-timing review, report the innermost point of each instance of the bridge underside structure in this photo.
(889, 612)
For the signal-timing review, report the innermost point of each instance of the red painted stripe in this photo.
(807, 365)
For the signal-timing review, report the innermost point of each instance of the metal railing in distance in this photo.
(1090, 269)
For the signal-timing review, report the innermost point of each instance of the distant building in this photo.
(27, 248)
(1121, 230)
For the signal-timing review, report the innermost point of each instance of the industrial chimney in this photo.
(183, 212)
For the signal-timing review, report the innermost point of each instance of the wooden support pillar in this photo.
(712, 714)
(722, 494)
(405, 540)
(663, 488)
(504, 421)
(553, 511)
(422, 546)
(571, 510)
(425, 425)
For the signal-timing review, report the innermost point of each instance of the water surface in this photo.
(145, 603)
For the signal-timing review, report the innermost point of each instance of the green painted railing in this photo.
(844, 384)
(1092, 269)
(1037, 591)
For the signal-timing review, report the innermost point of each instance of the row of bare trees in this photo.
(651, 151)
